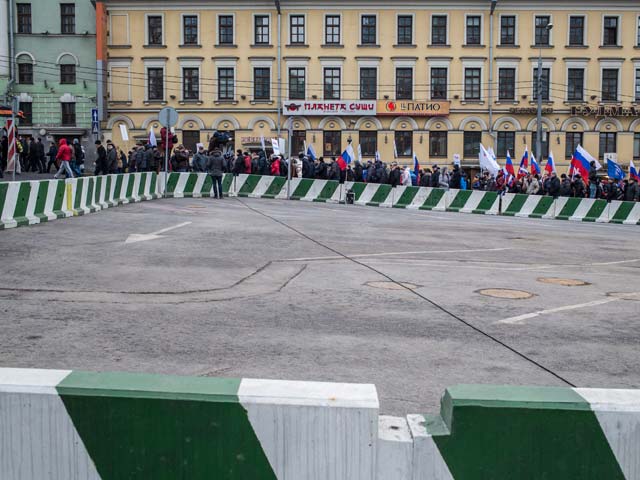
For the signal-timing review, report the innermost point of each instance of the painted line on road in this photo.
(168, 229)
(366, 255)
(521, 318)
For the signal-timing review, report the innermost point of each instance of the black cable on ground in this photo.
(418, 294)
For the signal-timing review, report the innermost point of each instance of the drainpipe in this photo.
(279, 40)
(490, 96)
(12, 48)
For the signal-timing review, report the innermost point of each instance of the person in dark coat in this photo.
(395, 175)
(579, 190)
(215, 168)
(238, 166)
(52, 153)
(565, 186)
(101, 160)
(456, 175)
(321, 169)
(358, 172)
(593, 180)
(632, 192)
(40, 156)
(435, 177)
(554, 185)
(333, 172)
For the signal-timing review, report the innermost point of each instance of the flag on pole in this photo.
(347, 157)
(378, 156)
(359, 153)
(311, 152)
(487, 162)
(395, 149)
(275, 144)
(524, 164)
(633, 172)
(509, 166)
(153, 141)
(416, 165)
(262, 144)
(581, 162)
(550, 167)
(535, 168)
(614, 170)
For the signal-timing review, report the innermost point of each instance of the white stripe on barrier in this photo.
(529, 206)
(393, 196)
(314, 191)
(474, 201)
(180, 185)
(294, 185)
(368, 193)
(137, 178)
(10, 202)
(420, 198)
(582, 210)
(31, 205)
(261, 188)
(427, 459)
(395, 449)
(51, 197)
(197, 189)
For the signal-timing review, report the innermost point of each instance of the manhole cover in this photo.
(392, 285)
(505, 293)
(565, 282)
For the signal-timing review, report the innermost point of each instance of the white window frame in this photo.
(533, 31)
(155, 64)
(619, 36)
(638, 31)
(405, 64)
(332, 64)
(611, 65)
(297, 14)
(368, 64)
(263, 64)
(438, 14)
(545, 64)
(121, 64)
(575, 64)
(146, 27)
(467, 15)
(365, 14)
(120, 14)
(324, 28)
(515, 64)
(515, 33)
(636, 68)
(224, 14)
(189, 14)
(473, 64)
(299, 64)
(253, 28)
(439, 64)
(413, 28)
(586, 30)
(191, 64)
(226, 63)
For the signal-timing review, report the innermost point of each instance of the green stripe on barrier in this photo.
(172, 182)
(407, 197)
(380, 196)
(275, 188)
(190, 185)
(249, 185)
(41, 201)
(58, 200)
(569, 208)
(598, 207)
(623, 212)
(107, 192)
(207, 186)
(19, 214)
(487, 202)
(327, 191)
(129, 191)
(460, 200)
(543, 207)
(302, 189)
(97, 189)
(153, 187)
(516, 204)
(227, 181)
(3, 199)
(117, 194)
(433, 199)
(143, 182)
(78, 197)
(358, 189)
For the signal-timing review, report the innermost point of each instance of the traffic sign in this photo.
(95, 122)
(168, 117)
(94, 115)
(94, 129)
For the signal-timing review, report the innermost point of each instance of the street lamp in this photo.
(548, 28)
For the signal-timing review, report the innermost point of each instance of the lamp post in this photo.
(539, 83)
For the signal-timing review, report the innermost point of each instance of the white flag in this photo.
(276, 146)
(152, 138)
(264, 148)
(359, 153)
(377, 156)
(487, 162)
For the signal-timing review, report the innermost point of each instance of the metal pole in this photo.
(539, 116)
(16, 157)
(490, 96)
(279, 67)
(166, 160)
(290, 128)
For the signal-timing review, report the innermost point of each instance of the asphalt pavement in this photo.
(304, 291)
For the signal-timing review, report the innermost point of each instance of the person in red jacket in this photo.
(64, 157)
(275, 166)
(247, 163)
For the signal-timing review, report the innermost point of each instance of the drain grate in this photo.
(565, 282)
(505, 293)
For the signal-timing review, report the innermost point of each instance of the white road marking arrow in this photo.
(144, 237)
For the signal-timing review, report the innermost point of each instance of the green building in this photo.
(53, 72)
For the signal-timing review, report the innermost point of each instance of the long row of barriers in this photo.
(59, 424)
(31, 202)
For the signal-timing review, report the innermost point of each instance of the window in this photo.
(368, 83)
(472, 141)
(298, 140)
(368, 143)
(332, 141)
(27, 113)
(25, 73)
(638, 28)
(610, 84)
(610, 33)
(507, 84)
(542, 33)
(506, 143)
(68, 24)
(261, 29)
(225, 84)
(637, 85)
(68, 114)
(368, 29)
(544, 83)
(190, 29)
(297, 83)
(508, 30)
(332, 30)
(404, 143)
(296, 29)
(544, 145)
(67, 74)
(437, 144)
(155, 86)
(438, 83)
(608, 143)
(261, 83)
(472, 84)
(404, 83)
(24, 17)
(154, 30)
(332, 83)
(473, 29)
(439, 30)
(576, 30)
(191, 83)
(405, 30)
(225, 30)
(636, 146)
(572, 140)
(575, 84)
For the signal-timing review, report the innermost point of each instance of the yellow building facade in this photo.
(405, 76)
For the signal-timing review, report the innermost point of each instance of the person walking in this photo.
(64, 157)
(78, 158)
(52, 154)
(40, 156)
(215, 168)
(112, 158)
(101, 160)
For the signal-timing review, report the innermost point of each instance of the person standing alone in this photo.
(215, 167)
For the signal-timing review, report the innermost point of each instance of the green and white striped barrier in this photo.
(58, 424)
(69, 424)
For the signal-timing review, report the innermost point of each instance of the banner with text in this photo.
(413, 108)
(321, 108)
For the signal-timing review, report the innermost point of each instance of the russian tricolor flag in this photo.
(633, 173)
(524, 164)
(581, 162)
(551, 164)
(416, 164)
(346, 158)
(535, 168)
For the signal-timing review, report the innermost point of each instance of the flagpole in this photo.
(15, 139)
